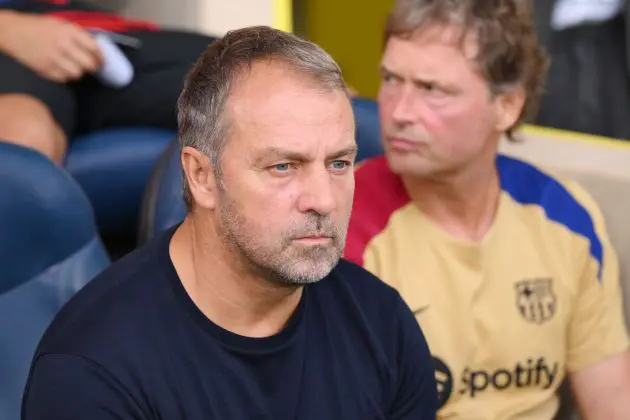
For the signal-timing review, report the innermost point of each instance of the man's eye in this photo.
(282, 167)
(340, 164)
(388, 78)
(430, 87)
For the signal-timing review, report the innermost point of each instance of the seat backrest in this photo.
(112, 166)
(49, 249)
(163, 206)
(368, 128)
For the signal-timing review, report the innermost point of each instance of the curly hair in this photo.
(509, 54)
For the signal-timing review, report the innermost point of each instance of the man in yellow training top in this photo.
(510, 271)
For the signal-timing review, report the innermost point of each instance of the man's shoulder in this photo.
(562, 201)
(528, 183)
(108, 308)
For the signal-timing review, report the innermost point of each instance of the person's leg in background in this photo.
(41, 114)
(160, 66)
(34, 112)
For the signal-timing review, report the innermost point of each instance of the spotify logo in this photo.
(444, 381)
(474, 382)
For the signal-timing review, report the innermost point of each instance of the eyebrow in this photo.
(416, 81)
(280, 153)
(348, 151)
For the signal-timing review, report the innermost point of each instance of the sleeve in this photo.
(597, 329)
(371, 209)
(72, 388)
(358, 236)
(416, 390)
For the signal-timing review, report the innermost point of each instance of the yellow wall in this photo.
(283, 15)
(351, 31)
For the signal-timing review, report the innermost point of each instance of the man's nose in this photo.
(317, 193)
(405, 107)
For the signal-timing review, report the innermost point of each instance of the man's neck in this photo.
(230, 297)
(463, 204)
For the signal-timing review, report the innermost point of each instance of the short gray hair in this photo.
(201, 105)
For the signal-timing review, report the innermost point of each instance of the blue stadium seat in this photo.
(368, 128)
(163, 206)
(49, 249)
(113, 167)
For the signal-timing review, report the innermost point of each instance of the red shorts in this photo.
(86, 16)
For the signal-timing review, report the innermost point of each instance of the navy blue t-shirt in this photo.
(133, 345)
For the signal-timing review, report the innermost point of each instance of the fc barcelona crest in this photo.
(535, 300)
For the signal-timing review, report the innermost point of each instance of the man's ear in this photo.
(509, 106)
(199, 174)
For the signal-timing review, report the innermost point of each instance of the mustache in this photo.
(394, 131)
(316, 225)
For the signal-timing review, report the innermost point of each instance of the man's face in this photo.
(287, 180)
(437, 114)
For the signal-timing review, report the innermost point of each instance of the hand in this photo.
(55, 49)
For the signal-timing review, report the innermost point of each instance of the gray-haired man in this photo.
(244, 311)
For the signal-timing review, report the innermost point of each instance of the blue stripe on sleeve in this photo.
(528, 185)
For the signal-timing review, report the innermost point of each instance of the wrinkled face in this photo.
(437, 113)
(287, 180)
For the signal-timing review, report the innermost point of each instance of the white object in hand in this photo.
(116, 71)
